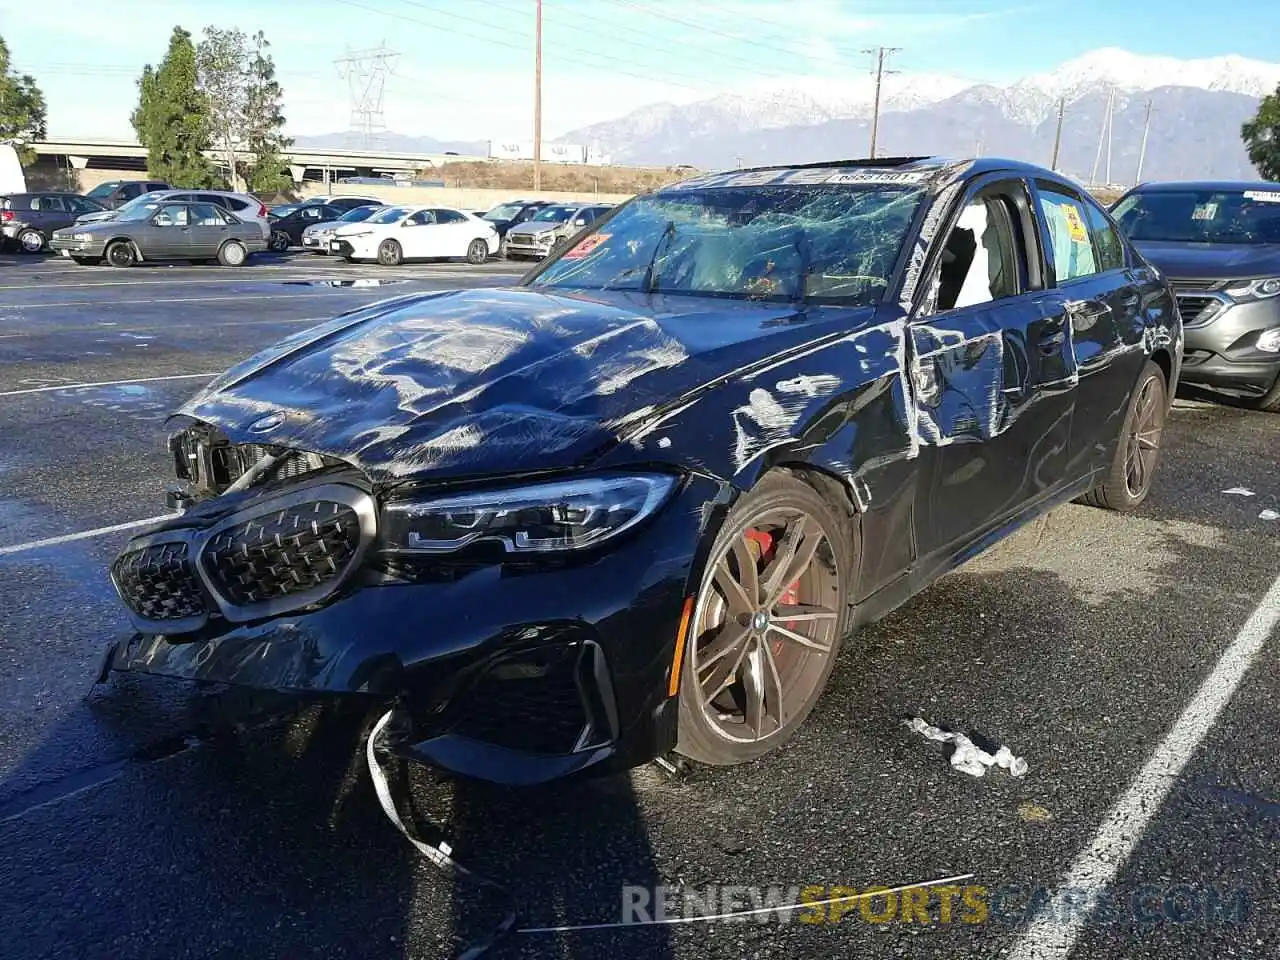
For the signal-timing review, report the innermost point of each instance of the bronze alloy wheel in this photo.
(766, 624)
(1144, 437)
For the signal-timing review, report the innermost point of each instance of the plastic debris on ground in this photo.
(1239, 492)
(970, 753)
(1269, 515)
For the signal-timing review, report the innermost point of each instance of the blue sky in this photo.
(465, 66)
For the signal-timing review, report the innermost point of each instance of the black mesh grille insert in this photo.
(158, 583)
(290, 550)
(1195, 309)
(528, 701)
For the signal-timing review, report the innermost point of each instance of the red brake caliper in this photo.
(766, 544)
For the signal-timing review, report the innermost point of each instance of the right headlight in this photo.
(532, 519)
(1255, 289)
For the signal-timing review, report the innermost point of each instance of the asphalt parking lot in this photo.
(1079, 643)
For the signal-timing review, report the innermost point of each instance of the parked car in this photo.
(169, 230)
(639, 500)
(395, 234)
(1219, 245)
(27, 219)
(551, 226)
(245, 207)
(116, 193)
(345, 202)
(316, 237)
(506, 215)
(287, 230)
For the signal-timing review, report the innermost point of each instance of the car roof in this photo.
(1224, 186)
(923, 169)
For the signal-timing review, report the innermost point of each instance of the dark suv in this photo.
(1219, 246)
(116, 193)
(29, 219)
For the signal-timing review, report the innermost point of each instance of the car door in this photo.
(418, 236)
(167, 235)
(304, 217)
(455, 233)
(207, 230)
(992, 372)
(1099, 293)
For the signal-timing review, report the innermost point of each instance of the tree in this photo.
(22, 107)
(264, 123)
(220, 71)
(1261, 136)
(171, 118)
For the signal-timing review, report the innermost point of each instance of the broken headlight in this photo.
(537, 518)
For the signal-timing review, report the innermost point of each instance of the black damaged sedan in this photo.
(638, 501)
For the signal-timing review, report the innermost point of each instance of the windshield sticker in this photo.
(1075, 226)
(1205, 211)
(586, 247)
(880, 176)
(1263, 196)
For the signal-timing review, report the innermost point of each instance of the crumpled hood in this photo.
(495, 381)
(1213, 261)
(535, 228)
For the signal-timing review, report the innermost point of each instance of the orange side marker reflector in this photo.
(681, 635)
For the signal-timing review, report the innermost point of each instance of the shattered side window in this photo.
(834, 243)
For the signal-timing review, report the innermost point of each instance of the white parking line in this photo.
(1058, 925)
(106, 383)
(100, 304)
(83, 535)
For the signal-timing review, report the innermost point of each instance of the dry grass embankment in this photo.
(577, 178)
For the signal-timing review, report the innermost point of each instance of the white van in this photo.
(12, 179)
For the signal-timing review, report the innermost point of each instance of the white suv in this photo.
(247, 208)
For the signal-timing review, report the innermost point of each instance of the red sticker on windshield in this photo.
(586, 246)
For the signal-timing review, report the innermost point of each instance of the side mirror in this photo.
(160, 220)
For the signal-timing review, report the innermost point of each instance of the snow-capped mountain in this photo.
(717, 130)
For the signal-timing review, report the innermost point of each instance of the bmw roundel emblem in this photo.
(266, 424)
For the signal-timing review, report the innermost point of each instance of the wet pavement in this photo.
(133, 824)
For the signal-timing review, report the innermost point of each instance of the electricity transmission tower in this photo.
(880, 54)
(366, 73)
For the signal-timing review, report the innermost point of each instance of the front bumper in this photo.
(320, 243)
(77, 248)
(524, 245)
(513, 674)
(1221, 350)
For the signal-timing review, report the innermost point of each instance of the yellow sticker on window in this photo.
(1075, 226)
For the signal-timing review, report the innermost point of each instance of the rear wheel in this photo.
(120, 254)
(478, 252)
(1137, 454)
(390, 254)
(232, 254)
(31, 241)
(280, 241)
(767, 622)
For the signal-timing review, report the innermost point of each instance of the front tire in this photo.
(280, 242)
(120, 254)
(390, 253)
(767, 622)
(478, 252)
(30, 241)
(232, 254)
(1133, 466)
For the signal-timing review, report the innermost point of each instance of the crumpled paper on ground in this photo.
(967, 756)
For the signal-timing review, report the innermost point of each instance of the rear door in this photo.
(207, 229)
(992, 371)
(1099, 294)
(456, 232)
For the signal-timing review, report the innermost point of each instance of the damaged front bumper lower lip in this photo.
(513, 674)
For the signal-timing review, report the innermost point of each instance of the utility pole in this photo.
(1104, 138)
(1111, 130)
(1057, 137)
(880, 54)
(537, 99)
(1142, 154)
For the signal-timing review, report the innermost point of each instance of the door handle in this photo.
(1087, 309)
